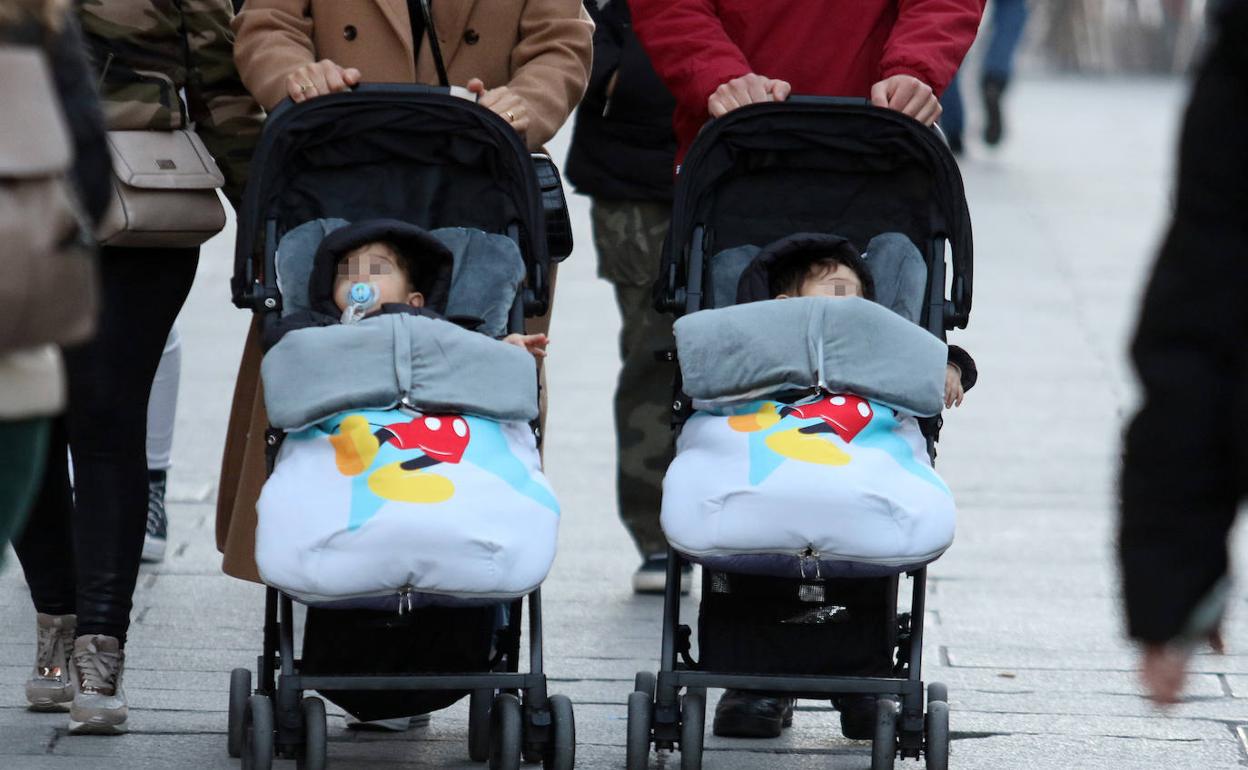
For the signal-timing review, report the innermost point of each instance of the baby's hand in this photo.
(953, 386)
(534, 343)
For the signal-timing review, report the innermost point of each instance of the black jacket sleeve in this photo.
(76, 88)
(961, 359)
(1185, 468)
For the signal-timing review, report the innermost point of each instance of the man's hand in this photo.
(320, 78)
(534, 343)
(953, 386)
(747, 89)
(909, 96)
(504, 102)
(1163, 669)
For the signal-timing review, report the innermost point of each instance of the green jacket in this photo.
(168, 64)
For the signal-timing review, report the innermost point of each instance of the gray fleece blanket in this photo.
(847, 345)
(427, 364)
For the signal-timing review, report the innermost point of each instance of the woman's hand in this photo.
(534, 343)
(318, 79)
(504, 102)
(908, 95)
(953, 386)
(747, 89)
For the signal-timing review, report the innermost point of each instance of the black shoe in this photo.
(955, 144)
(994, 127)
(745, 714)
(857, 716)
(157, 534)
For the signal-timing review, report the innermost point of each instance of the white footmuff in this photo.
(393, 502)
(835, 485)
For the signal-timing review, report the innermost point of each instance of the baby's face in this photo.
(841, 282)
(375, 263)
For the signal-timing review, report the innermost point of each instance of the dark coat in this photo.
(623, 147)
(1185, 468)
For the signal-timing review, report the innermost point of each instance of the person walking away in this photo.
(32, 379)
(621, 156)
(81, 548)
(719, 55)
(1185, 464)
(1009, 19)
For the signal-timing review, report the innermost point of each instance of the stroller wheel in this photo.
(479, 724)
(692, 730)
(240, 691)
(936, 743)
(257, 746)
(506, 732)
(312, 755)
(637, 750)
(644, 682)
(884, 745)
(560, 750)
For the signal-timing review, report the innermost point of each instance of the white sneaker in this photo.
(99, 706)
(651, 576)
(51, 686)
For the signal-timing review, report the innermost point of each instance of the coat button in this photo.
(348, 32)
(471, 37)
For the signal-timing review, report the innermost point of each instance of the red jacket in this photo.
(822, 47)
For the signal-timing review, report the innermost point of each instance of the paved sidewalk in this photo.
(1023, 622)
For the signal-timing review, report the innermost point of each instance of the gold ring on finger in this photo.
(511, 116)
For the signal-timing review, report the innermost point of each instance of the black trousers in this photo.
(80, 549)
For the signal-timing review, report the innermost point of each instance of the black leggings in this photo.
(80, 550)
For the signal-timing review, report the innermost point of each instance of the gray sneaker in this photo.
(51, 686)
(99, 706)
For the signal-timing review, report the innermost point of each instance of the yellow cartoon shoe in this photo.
(355, 446)
(394, 482)
(807, 447)
(763, 419)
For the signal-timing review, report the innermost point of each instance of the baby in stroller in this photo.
(843, 464)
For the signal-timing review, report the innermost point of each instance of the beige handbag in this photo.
(164, 191)
(48, 285)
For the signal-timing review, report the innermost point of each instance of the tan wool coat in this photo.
(539, 48)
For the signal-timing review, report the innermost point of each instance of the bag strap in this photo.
(435, 48)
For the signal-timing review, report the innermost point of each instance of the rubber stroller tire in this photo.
(506, 732)
(560, 749)
(257, 749)
(692, 730)
(884, 745)
(240, 691)
(637, 746)
(314, 754)
(479, 703)
(936, 740)
(645, 681)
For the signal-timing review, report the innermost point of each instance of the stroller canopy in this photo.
(821, 165)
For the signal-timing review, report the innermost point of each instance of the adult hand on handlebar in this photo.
(747, 89)
(504, 102)
(909, 96)
(320, 78)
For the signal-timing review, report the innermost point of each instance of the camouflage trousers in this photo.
(629, 239)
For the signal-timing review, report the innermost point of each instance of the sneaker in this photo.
(992, 89)
(99, 706)
(157, 536)
(745, 714)
(51, 687)
(395, 725)
(857, 716)
(651, 576)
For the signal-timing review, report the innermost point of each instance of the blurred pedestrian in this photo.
(162, 412)
(622, 153)
(718, 55)
(32, 380)
(1009, 18)
(81, 548)
(1185, 469)
(527, 61)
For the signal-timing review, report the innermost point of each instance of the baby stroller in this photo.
(432, 159)
(808, 165)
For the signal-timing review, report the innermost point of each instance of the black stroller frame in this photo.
(757, 138)
(511, 715)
